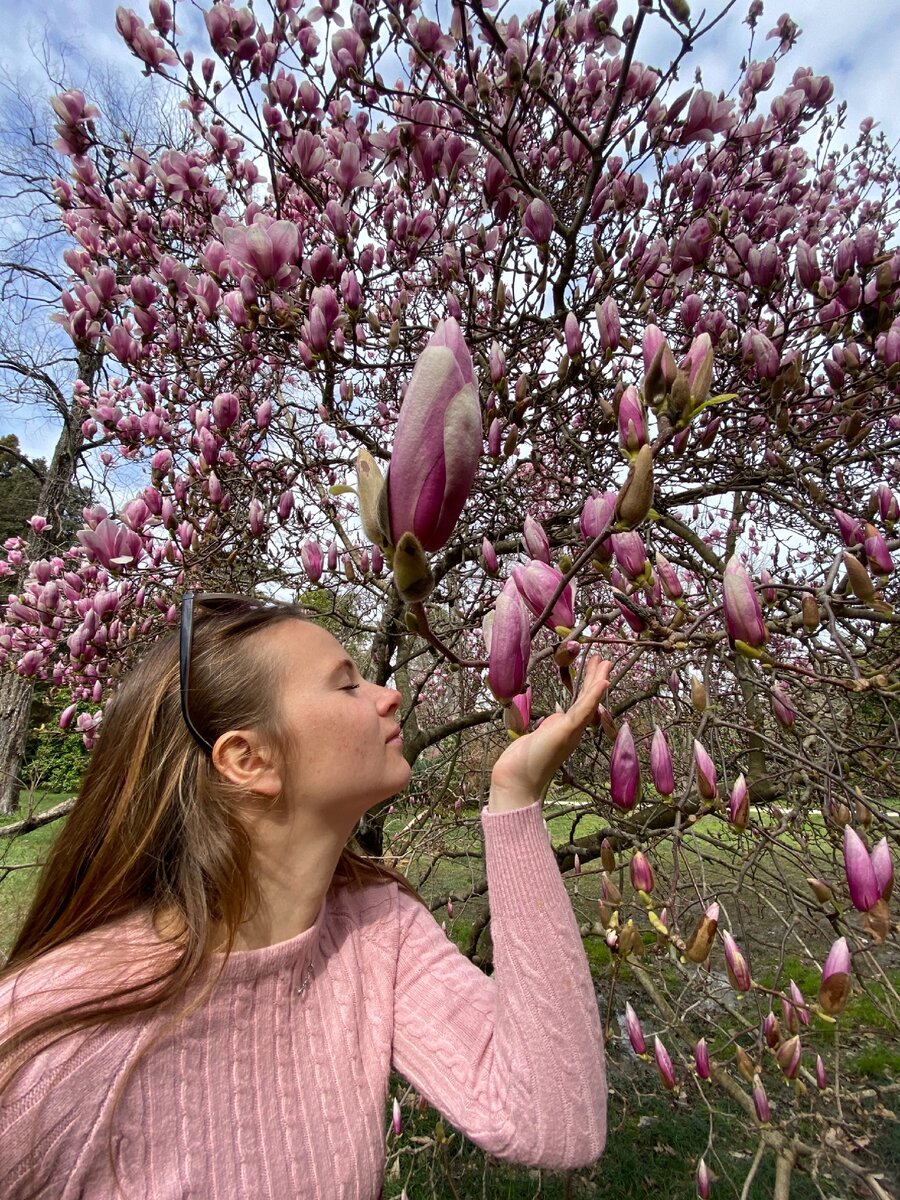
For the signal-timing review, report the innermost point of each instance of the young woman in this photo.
(210, 989)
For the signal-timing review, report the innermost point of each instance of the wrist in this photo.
(507, 799)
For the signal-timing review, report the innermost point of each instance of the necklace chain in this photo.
(305, 981)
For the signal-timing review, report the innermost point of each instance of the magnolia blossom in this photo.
(438, 442)
(624, 769)
(835, 986)
(661, 768)
(735, 964)
(539, 582)
(743, 614)
(510, 644)
(635, 1033)
(706, 772)
(862, 881)
(111, 544)
(641, 873)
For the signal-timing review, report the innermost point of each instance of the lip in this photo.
(396, 736)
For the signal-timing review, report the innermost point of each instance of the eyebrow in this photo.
(343, 665)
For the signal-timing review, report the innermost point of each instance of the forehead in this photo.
(305, 647)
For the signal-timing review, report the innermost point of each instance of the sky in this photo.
(859, 52)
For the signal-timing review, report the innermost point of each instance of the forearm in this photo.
(548, 1037)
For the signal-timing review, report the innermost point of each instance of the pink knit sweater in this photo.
(274, 1091)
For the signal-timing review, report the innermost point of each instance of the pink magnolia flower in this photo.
(706, 772)
(835, 986)
(517, 715)
(735, 964)
(111, 544)
(667, 577)
(538, 222)
(489, 556)
(632, 422)
(861, 879)
(624, 769)
(701, 1059)
(788, 1055)
(641, 872)
(535, 538)
(664, 1064)
(702, 1180)
(661, 768)
(821, 1074)
(739, 803)
(883, 866)
(743, 614)
(597, 515)
(635, 1033)
(538, 582)
(267, 248)
(761, 1103)
(608, 324)
(510, 644)
(630, 552)
(574, 345)
(312, 559)
(438, 442)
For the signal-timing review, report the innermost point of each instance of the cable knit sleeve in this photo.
(514, 1061)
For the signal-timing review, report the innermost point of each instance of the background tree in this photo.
(38, 363)
(682, 311)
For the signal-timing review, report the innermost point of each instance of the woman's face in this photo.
(345, 750)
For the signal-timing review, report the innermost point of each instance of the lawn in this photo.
(19, 859)
(655, 1139)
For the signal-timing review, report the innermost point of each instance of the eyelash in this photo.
(350, 688)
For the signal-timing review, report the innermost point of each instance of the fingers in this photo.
(594, 684)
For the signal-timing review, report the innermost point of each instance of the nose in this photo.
(389, 700)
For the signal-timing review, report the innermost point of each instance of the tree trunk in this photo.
(15, 710)
(15, 692)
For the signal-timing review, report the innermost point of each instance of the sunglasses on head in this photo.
(218, 604)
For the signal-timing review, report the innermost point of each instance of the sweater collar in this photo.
(297, 952)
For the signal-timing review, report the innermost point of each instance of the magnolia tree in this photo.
(506, 347)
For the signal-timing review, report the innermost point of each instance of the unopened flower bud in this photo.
(661, 768)
(788, 1055)
(861, 879)
(706, 772)
(761, 1104)
(821, 1074)
(641, 873)
(736, 964)
(701, 1059)
(739, 804)
(835, 986)
(700, 942)
(771, 1030)
(624, 770)
(664, 1064)
(635, 1033)
(743, 614)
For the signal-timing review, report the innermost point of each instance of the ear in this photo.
(243, 758)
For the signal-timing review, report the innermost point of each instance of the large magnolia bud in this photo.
(636, 496)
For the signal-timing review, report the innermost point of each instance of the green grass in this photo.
(19, 858)
(654, 1146)
(654, 1141)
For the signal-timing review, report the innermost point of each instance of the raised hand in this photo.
(524, 769)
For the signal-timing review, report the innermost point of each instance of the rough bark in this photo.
(16, 692)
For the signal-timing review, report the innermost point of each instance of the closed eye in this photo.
(351, 687)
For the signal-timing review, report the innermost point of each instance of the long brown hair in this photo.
(156, 828)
